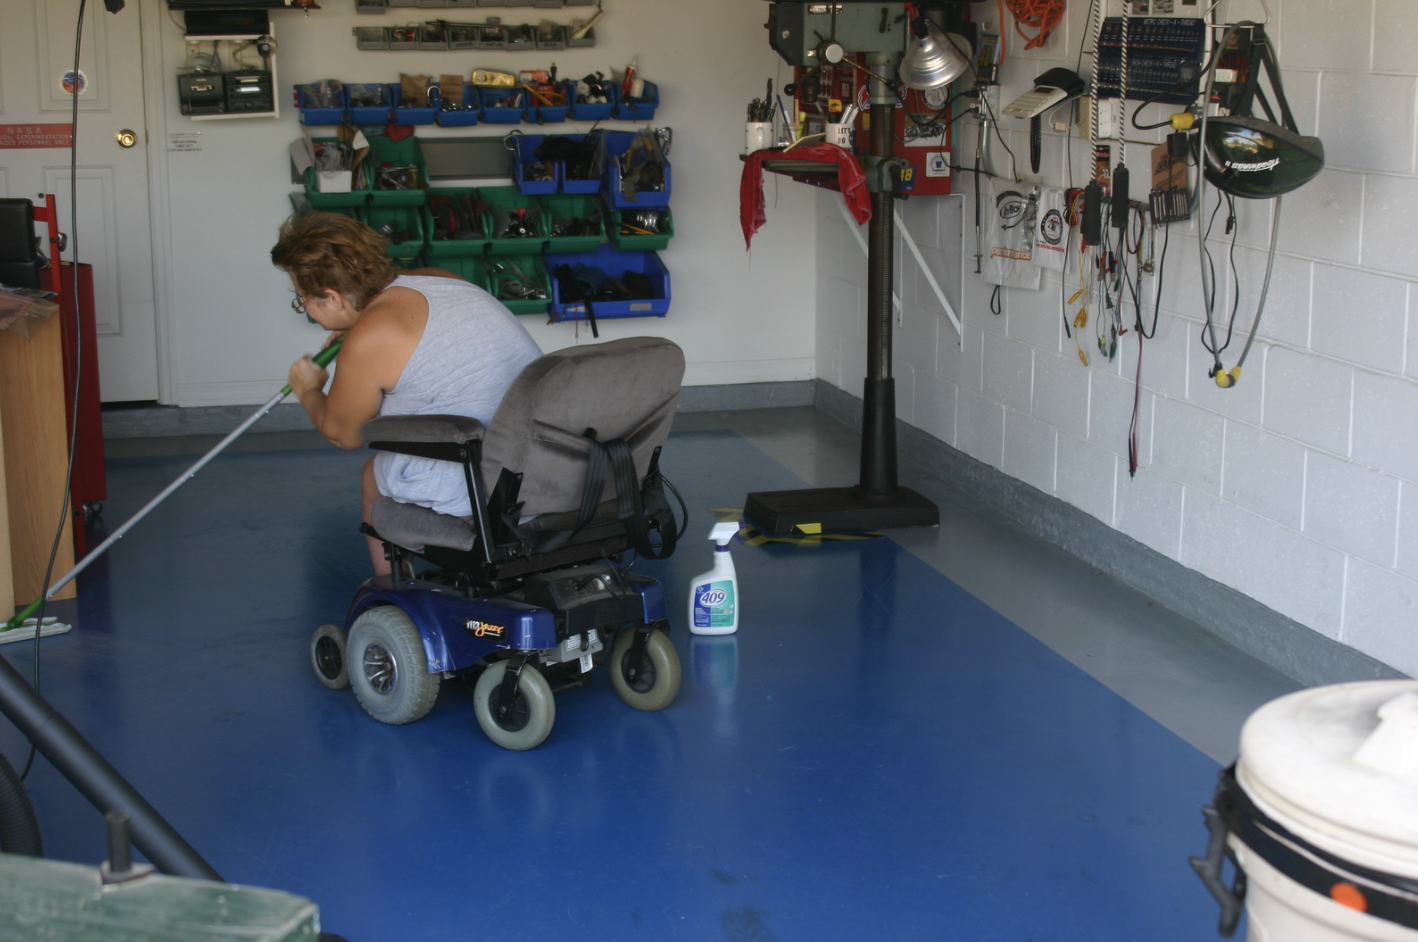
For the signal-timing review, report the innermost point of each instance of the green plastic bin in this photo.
(509, 272)
(385, 154)
(576, 222)
(404, 227)
(447, 209)
(516, 224)
(623, 223)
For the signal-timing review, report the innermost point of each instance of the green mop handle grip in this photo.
(323, 358)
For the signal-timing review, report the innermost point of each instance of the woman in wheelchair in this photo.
(416, 343)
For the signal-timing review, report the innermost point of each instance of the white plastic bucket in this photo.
(1336, 767)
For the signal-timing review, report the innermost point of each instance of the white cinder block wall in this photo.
(1298, 487)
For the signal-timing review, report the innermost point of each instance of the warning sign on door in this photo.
(35, 135)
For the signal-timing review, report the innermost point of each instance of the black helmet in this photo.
(1257, 159)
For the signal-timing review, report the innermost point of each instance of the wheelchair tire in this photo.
(522, 725)
(327, 656)
(388, 668)
(653, 684)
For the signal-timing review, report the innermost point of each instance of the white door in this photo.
(37, 44)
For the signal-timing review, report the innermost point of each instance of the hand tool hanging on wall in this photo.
(323, 358)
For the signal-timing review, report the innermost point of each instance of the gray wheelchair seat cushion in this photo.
(624, 389)
(416, 528)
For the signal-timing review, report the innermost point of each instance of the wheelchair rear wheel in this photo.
(653, 683)
(523, 723)
(388, 666)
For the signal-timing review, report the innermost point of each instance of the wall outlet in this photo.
(1107, 115)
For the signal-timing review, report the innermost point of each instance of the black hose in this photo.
(19, 828)
(98, 781)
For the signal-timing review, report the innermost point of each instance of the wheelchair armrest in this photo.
(432, 436)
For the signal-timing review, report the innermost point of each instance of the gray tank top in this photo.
(471, 349)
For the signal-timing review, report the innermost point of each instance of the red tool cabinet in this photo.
(89, 484)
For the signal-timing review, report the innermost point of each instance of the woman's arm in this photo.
(372, 358)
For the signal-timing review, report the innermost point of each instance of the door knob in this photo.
(126, 138)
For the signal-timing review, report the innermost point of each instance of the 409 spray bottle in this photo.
(714, 595)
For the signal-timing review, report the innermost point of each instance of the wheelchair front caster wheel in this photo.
(651, 681)
(327, 656)
(521, 722)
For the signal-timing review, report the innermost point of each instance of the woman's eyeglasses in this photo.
(297, 304)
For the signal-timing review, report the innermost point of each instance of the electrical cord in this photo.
(1040, 15)
(57, 262)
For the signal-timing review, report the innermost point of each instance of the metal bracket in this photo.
(507, 690)
(1209, 868)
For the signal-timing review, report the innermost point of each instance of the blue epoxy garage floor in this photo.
(957, 733)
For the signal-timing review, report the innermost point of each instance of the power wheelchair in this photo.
(529, 591)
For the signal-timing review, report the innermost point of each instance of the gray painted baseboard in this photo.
(154, 421)
(1290, 647)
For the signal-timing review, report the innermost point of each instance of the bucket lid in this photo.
(1341, 760)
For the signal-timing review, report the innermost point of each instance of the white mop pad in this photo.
(25, 630)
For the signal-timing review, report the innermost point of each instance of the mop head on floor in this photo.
(24, 631)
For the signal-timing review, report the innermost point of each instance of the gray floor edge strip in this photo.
(1288, 646)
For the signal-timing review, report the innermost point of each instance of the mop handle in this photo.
(322, 358)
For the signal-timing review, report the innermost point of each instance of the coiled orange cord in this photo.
(1042, 15)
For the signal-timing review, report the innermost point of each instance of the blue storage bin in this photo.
(316, 106)
(532, 175)
(415, 114)
(592, 111)
(567, 173)
(614, 264)
(642, 108)
(539, 113)
(502, 105)
(617, 144)
(463, 117)
(369, 103)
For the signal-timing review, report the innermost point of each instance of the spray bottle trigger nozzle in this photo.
(722, 533)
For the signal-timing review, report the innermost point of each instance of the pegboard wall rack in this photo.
(444, 35)
(382, 6)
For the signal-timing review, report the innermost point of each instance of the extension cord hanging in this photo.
(1227, 379)
(1040, 15)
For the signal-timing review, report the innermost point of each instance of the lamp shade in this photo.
(931, 59)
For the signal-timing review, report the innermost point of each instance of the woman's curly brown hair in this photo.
(325, 251)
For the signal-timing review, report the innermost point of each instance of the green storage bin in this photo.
(474, 269)
(623, 223)
(321, 200)
(576, 222)
(508, 275)
(516, 224)
(404, 227)
(447, 215)
(385, 156)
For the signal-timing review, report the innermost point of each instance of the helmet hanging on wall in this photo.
(1252, 157)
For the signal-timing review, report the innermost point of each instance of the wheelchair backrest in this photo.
(625, 388)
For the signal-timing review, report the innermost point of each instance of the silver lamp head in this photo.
(931, 59)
